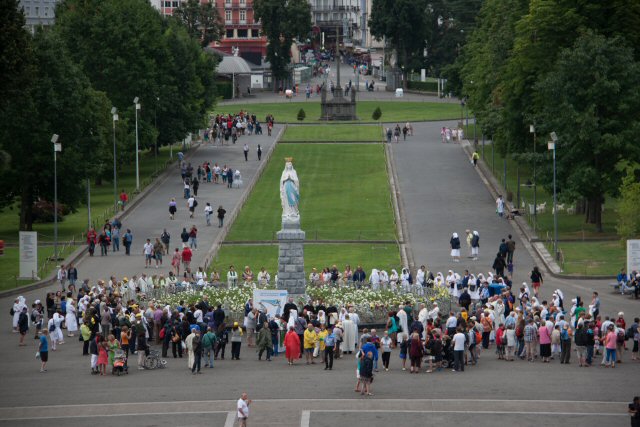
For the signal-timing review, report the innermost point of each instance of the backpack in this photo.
(52, 327)
(195, 203)
(478, 337)
(163, 333)
(631, 331)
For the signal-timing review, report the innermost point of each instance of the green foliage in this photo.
(59, 99)
(301, 114)
(283, 22)
(202, 20)
(628, 226)
(224, 89)
(591, 99)
(377, 113)
(404, 25)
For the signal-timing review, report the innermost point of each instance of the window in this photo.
(46, 11)
(243, 16)
(229, 34)
(242, 34)
(176, 4)
(243, 2)
(227, 2)
(227, 16)
(37, 11)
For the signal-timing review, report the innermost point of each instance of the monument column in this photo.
(291, 274)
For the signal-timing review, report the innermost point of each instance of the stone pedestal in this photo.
(291, 258)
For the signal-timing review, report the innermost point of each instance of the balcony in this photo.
(242, 23)
(237, 5)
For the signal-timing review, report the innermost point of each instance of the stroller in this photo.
(120, 363)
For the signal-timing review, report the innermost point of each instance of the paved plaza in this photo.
(441, 193)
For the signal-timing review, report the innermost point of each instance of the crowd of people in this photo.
(448, 134)
(225, 127)
(406, 130)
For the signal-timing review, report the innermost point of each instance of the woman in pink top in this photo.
(610, 345)
(545, 343)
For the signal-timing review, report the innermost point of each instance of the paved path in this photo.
(442, 193)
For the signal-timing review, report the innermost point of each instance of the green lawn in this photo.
(9, 265)
(385, 256)
(569, 226)
(333, 133)
(101, 201)
(392, 111)
(344, 194)
(593, 258)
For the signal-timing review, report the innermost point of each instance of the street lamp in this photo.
(57, 148)
(137, 104)
(552, 146)
(114, 113)
(532, 129)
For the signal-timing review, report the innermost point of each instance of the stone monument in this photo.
(339, 107)
(291, 238)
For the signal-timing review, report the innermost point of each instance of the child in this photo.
(404, 345)
(93, 349)
(223, 334)
(124, 339)
(500, 341)
(385, 343)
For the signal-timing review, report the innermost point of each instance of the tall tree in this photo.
(58, 99)
(202, 20)
(628, 226)
(591, 99)
(283, 22)
(404, 25)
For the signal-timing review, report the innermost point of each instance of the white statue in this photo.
(290, 192)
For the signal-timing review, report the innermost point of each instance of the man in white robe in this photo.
(423, 315)
(402, 320)
(433, 313)
(349, 337)
(189, 343)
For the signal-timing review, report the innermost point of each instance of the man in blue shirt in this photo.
(43, 348)
(370, 347)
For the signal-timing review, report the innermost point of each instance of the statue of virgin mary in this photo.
(289, 191)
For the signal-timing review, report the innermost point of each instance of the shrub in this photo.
(301, 114)
(423, 86)
(43, 211)
(377, 113)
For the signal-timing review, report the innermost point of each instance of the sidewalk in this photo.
(151, 217)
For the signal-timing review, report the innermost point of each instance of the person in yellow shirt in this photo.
(321, 337)
(310, 339)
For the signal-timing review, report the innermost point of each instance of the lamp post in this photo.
(57, 148)
(114, 113)
(552, 146)
(137, 104)
(532, 129)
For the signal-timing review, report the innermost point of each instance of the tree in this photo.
(301, 114)
(404, 24)
(283, 21)
(628, 226)
(591, 99)
(377, 113)
(202, 20)
(57, 99)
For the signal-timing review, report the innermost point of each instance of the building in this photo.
(241, 30)
(39, 12)
(327, 15)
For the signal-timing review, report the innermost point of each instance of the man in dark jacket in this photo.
(465, 299)
(366, 373)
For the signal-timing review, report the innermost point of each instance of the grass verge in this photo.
(10, 267)
(333, 133)
(592, 258)
(344, 194)
(392, 111)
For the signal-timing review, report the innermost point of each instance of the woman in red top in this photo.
(91, 240)
(292, 345)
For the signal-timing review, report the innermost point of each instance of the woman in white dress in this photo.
(451, 282)
(404, 281)
(384, 279)
(439, 281)
(56, 335)
(457, 286)
(375, 279)
(18, 305)
(393, 279)
(71, 319)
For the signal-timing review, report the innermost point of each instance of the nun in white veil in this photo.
(18, 305)
(393, 279)
(374, 278)
(384, 279)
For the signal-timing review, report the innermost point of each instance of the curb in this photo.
(81, 252)
(531, 241)
(406, 254)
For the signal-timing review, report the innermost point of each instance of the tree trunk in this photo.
(594, 212)
(581, 207)
(26, 209)
(98, 180)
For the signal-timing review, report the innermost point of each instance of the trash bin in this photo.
(399, 93)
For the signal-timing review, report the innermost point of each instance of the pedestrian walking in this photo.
(208, 211)
(173, 208)
(221, 213)
(165, 238)
(147, 251)
(245, 149)
(259, 152)
(500, 206)
(43, 350)
(243, 410)
(127, 239)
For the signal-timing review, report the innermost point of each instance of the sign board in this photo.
(633, 255)
(28, 254)
(271, 301)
